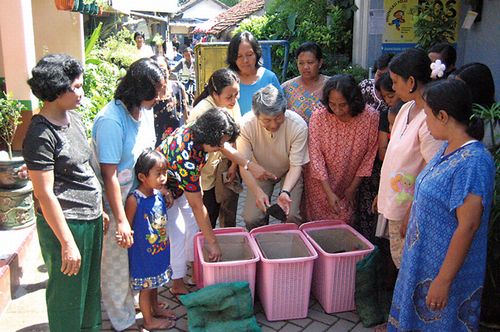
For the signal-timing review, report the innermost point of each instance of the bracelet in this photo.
(246, 164)
(285, 191)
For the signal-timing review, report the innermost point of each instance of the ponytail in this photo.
(475, 128)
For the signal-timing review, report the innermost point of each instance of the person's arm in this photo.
(195, 200)
(291, 178)
(130, 209)
(114, 196)
(261, 199)
(333, 200)
(257, 171)
(469, 220)
(383, 142)
(43, 187)
(350, 192)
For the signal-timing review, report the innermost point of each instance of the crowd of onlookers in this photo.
(399, 157)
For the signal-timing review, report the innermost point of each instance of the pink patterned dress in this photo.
(338, 151)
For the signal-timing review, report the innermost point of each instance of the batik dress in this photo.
(441, 188)
(301, 101)
(149, 256)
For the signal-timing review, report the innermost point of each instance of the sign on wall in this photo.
(399, 18)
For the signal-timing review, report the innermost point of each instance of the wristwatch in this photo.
(285, 191)
(246, 164)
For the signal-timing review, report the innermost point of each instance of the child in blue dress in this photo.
(149, 256)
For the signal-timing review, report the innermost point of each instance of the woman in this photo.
(121, 131)
(342, 147)
(186, 152)
(222, 91)
(171, 110)
(69, 219)
(442, 272)
(303, 93)
(244, 58)
(371, 95)
(143, 50)
(411, 146)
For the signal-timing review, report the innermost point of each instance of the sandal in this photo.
(160, 324)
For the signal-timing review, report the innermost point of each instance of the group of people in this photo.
(398, 157)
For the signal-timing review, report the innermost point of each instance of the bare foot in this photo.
(159, 324)
(164, 313)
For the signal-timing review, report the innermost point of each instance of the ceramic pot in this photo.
(64, 4)
(17, 207)
(8, 173)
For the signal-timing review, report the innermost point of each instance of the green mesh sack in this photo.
(221, 307)
(372, 298)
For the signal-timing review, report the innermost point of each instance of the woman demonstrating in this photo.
(186, 152)
(121, 131)
(442, 271)
(411, 145)
(244, 58)
(69, 224)
(342, 147)
(221, 202)
(304, 93)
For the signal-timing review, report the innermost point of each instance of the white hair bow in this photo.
(438, 69)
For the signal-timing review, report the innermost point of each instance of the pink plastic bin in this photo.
(339, 248)
(239, 259)
(284, 272)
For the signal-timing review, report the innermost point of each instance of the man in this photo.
(276, 139)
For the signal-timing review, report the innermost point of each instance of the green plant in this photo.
(118, 49)
(434, 22)
(10, 118)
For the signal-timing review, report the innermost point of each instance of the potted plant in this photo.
(434, 22)
(10, 118)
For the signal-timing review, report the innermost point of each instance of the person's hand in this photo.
(262, 200)
(70, 259)
(169, 198)
(284, 201)
(105, 222)
(335, 203)
(124, 235)
(437, 297)
(231, 173)
(374, 205)
(214, 252)
(260, 173)
(403, 227)
(350, 196)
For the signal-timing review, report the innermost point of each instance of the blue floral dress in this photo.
(149, 256)
(441, 188)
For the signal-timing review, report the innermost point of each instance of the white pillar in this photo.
(360, 34)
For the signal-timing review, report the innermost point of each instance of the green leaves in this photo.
(434, 22)
(10, 118)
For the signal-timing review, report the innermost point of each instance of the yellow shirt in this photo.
(214, 158)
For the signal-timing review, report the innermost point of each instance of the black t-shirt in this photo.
(65, 150)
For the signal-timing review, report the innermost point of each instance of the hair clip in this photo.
(438, 69)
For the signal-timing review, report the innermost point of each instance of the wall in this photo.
(57, 31)
(203, 10)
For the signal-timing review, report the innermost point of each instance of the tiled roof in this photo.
(230, 17)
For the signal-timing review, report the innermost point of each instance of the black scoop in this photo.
(277, 212)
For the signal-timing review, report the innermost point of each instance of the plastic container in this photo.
(239, 259)
(339, 248)
(284, 272)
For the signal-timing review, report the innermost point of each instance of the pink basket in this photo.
(197, 268)
(239, 259)
(339, 248)
(284, 272)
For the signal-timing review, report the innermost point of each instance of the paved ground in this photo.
(27, 312)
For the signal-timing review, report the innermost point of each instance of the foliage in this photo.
(434, 23)
(230, 3)
(10, 118)
(158, 39)
(118, 49)
(299, 21)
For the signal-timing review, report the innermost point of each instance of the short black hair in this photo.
(412, 62)
(234, 45)
(454, 97)
(346, 85)
(480, 81)
(138, 33)
(140, 83)
(53, 76)
(309, 47)
(219, 79)
(384, 82)
(147, 160)
(382, 61)
(210, 127)
(447, 51)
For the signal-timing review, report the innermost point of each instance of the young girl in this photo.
(222, 90)
(149, 256)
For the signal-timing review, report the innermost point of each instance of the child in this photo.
(149, 256)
